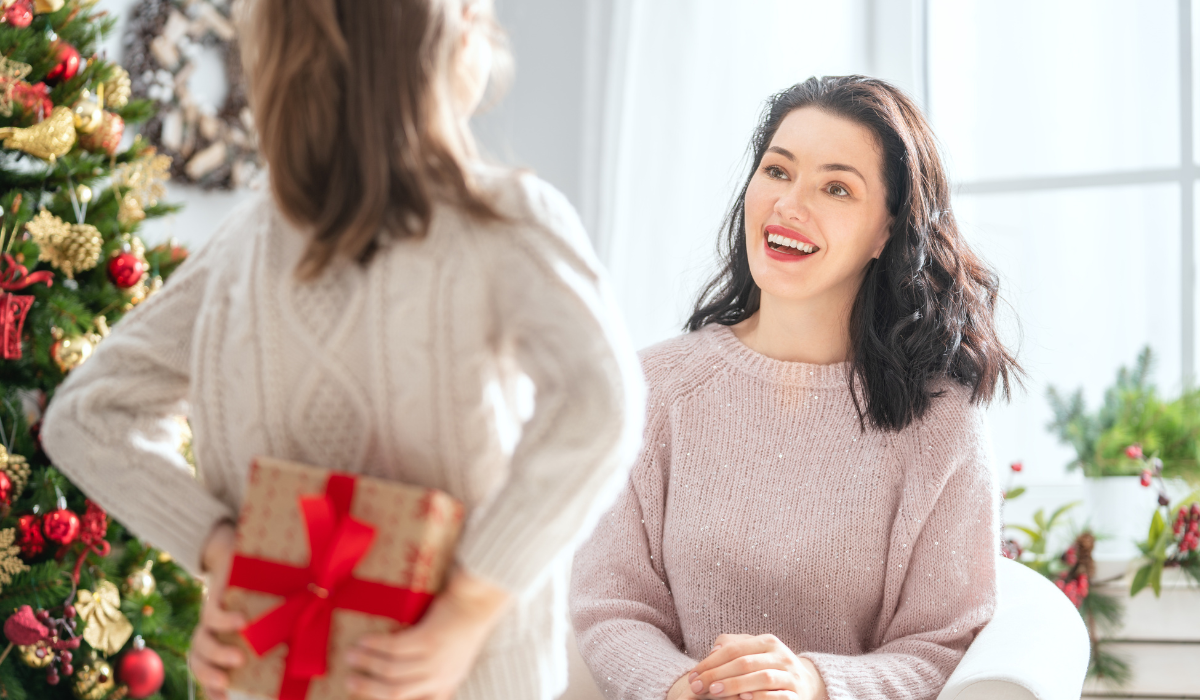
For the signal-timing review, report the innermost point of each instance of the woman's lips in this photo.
(784, 244)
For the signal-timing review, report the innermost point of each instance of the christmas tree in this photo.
(89, 611)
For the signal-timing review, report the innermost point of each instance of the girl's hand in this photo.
(756, 668)
(429, 660)
(210, 659)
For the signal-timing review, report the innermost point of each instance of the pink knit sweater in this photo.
(758, 506)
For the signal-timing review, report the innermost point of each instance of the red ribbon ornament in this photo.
(337, 542)
(13, 307)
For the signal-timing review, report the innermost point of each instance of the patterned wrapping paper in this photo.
(416, 531)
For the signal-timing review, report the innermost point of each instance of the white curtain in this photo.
(686, 80)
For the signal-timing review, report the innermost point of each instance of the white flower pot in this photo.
(1120, 510)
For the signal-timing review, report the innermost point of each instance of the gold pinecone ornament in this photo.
(16, 469)
(118, 89)
(69, 247)
(49, 139)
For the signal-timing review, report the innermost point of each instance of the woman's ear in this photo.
(885, 235)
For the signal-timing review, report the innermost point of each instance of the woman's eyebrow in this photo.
(783, 152)
(829, 167)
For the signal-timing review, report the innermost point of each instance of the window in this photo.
(1068, 129)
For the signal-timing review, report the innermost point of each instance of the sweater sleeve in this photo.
(557, 314)
(112, 426)
(624, 616)
(948, 591)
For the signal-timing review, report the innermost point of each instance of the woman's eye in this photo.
(775, 172)
(838, 191)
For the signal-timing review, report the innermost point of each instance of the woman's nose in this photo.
(793, 205)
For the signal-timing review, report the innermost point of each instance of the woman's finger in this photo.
(741, 666)
(770, 695)
(734, 646)
(758, 681)
(214, 652)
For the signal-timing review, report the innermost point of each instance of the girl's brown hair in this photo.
(354, 104)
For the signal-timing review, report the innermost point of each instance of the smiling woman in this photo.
(813, 514)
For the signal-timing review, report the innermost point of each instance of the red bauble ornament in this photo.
(141, 670)
(29, 536)
(34, 99)
(66, 62)
(23, 627)
(61, 526)
(126, 270)
(94, 525)
(6, 488)
(107, 137)
(19, 14)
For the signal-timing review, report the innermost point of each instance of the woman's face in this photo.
(816, 209)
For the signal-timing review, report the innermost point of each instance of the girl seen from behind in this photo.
(813, 514)
(370, 314)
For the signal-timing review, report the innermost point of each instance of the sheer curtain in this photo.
(685, 82)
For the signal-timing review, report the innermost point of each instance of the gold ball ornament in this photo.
(88, 111)
(69, 247)
(141, 582)
(71, 351)
(42, 7)
(83, 193)
(36, 655)
(47, 140)
(118, 88)
(93, 680)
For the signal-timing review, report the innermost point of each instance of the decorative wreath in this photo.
(214, 150)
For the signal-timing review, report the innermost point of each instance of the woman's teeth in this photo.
(790, 243)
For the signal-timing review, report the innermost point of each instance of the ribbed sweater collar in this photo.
(731, 349)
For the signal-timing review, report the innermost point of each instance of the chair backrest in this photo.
(1035, 648)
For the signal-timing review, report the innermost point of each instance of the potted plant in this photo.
(1133, 427)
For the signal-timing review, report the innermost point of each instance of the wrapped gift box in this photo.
(381, 553)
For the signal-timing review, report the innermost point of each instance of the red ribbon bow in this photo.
(16, 276)
(337, 542)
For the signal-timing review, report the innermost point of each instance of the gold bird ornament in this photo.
(48, 140)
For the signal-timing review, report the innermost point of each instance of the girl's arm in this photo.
(112, 425)
(556, 313)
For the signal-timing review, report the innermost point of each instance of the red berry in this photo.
(1163, 500)
(1016, 466)
(1134, 451)
(68, 611)
(1084, 586)
(1145, 477)
(1196, 510)
(52, 677)
(1070, 556)
(68, 669)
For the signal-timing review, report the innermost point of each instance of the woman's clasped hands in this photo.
(750, 668)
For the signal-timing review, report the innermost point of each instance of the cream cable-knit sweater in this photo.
(402, 371)
(759, 507)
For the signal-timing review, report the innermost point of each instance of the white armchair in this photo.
(1035, 648)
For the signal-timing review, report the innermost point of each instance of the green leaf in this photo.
(1139, 580)
(1058, 513)
(1014, 493)
(1156, 570)
(1033, 534)
(1040, 518)
(1157, 525)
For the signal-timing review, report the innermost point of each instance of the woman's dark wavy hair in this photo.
(925, 310)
